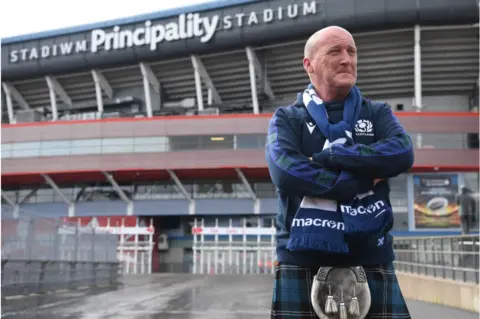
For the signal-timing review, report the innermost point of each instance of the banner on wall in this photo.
(434, 204)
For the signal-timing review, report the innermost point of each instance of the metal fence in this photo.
(447, 257)
(41, 255)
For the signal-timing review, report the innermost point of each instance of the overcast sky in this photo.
(19, 17)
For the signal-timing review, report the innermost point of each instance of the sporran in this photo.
(340, 293)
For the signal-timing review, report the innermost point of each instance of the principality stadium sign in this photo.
(151, 35)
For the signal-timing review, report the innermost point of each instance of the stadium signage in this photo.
(151, 35)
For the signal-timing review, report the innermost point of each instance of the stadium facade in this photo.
(160, 119)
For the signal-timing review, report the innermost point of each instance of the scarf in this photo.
(326, 225)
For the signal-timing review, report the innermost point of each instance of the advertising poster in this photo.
(434, 203)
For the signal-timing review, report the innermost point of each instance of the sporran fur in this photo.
(340, 293)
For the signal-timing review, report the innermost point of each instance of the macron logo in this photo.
(310, 127)
(364, 128)
(377, 208)
(317, 222)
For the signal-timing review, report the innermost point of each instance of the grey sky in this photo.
(31, 16)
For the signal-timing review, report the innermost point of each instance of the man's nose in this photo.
(345, 58)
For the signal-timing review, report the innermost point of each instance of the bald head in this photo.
(321, 37)
(330, 61)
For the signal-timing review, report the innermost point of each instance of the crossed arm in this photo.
(335, 173)
(390, 156)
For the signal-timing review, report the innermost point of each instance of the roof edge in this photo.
(127, 20)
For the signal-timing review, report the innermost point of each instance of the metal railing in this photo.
(446, 257)
(42, 255)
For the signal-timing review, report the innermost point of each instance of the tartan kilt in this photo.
(292, 286)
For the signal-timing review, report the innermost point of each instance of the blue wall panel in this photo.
(56, 209)
(101, 208)
(7, 211)
(224, 207)
(168, 207)
(173, 207)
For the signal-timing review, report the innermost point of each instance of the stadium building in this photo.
(154, 126)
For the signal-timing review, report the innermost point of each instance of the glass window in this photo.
(205, 187)
(150, 144)
(12, 195)
(443, 140)
(398, 192)
(472, 180)
(264, 189)
(46, 195)
(184, 143)
(26, 149)
(251, 141)
(208, 142)
(117, 145)
(6, 150)
(23, 193)
(130, 145)
(86, 146)
(55, 148)
(160, 191)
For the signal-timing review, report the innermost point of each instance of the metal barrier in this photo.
(44, 254)
(447, 257)
(245, 250)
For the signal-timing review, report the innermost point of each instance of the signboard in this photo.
(152, 34)
(434, 203)
(112, 230)
(233, 231)
(119, 225)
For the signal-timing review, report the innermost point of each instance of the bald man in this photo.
(302, 163)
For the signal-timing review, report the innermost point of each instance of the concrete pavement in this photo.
(178, 296)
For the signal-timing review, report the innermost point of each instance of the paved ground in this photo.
(178, 297)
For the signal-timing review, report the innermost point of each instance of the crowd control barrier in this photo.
(41, 255)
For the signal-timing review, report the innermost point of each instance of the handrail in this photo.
(447, 257)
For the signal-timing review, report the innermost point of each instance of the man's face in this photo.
(334, 63)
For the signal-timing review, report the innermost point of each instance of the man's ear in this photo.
(307, 65)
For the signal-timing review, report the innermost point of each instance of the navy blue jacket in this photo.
(382, 149)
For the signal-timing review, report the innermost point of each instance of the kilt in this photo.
(292, 286)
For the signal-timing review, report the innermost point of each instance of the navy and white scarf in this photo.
(327, 225)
